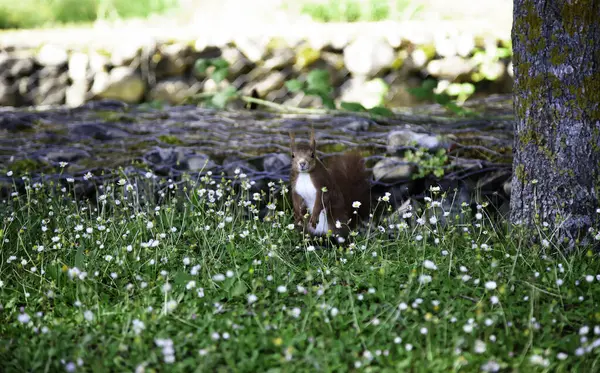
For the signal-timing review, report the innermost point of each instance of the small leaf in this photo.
(54, 271)
(201, 65)
(425, 91)
(441, 98)
(382, 111)
(219, 63)
(420, 93)
(316, 92)
(294, 85)
(239, 289)
(182, 278)
(429, 85)
(352, 106)
(318, 79)
(220, 74)
(328, 102)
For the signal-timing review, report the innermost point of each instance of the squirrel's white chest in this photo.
(306, 189)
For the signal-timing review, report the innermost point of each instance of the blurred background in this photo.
(43, 13)
(377, 53)
(442, 67)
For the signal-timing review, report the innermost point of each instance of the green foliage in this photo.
(486, 60)
(24, 165)
(427, 163)
(318, 83)
(359, 10)
(294, 85)
(38, 13)
(218, 70)
(426, 92)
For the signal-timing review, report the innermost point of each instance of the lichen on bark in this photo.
(556, 57)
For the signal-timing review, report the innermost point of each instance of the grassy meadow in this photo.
(193, 277)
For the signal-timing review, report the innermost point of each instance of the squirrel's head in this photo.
(304, 157)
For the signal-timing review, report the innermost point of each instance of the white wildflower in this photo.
(252, 298)
(23, 318)
(479, 347)
(490, 285)
(429, 265)
(219, 277)
(88, 315)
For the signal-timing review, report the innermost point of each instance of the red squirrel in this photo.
(328, 192)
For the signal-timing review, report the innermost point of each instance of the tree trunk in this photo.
(556, 166)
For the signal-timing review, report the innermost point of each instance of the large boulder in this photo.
(392, 169)
(44, 87)
(368, 55)
(253, 48)
(78, 66)
(174, 60)
(8, 93)
(16, 66)
(400, 139)
(369, 93)
(450, 68)
(51, 55)
(122, 83)
(173, 91)
(124, 53)
(77, 93)
(269, 83)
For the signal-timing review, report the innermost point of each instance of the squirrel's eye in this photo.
(292, 155)
(312, 155)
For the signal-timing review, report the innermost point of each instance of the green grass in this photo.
(40, 13)
(199, 282)
(358, 10)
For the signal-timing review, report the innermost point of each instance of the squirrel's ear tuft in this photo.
(292, 140)
(313, 141)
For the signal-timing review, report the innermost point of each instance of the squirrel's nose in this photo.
(302, 164)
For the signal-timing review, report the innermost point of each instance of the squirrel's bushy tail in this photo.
(350, 174)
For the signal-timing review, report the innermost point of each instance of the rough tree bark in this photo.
(556, 166)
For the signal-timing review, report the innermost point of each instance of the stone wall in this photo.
(134, 66)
